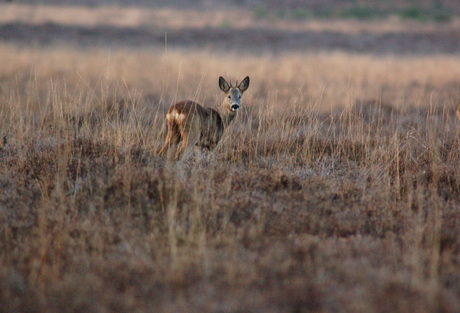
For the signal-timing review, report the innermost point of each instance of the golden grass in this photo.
(336, 189)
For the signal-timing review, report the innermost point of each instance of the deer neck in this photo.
(225, 114)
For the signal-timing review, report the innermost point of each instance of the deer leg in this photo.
(190, 137)
(172, 139)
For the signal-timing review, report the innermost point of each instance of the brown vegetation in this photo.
(336, 189)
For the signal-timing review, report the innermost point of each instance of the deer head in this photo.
(232, 99)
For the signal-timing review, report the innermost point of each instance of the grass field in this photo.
(336, 189)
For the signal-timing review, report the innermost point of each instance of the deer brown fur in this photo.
(189, 124)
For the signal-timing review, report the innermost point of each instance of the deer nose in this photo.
(235, 107)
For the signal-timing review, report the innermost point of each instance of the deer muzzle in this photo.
(235, 107)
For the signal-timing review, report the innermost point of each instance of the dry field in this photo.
(336, 189)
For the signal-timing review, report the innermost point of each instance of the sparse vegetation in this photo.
(336, 188)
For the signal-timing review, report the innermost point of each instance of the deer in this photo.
(190, 124)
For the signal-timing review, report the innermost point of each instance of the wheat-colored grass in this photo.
(336, 188)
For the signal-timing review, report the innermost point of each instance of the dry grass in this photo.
(337, 189)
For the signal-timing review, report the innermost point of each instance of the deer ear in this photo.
(244, 84)
(224, 86)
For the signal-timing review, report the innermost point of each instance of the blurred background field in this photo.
(336, 189)
(258, 27)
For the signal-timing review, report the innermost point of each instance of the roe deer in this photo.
(190, 124)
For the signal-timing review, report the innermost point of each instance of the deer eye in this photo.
(239, 97)
(229, 97)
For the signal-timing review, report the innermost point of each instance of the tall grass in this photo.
(335, 189)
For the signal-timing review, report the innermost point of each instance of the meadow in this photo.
(336, 188)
